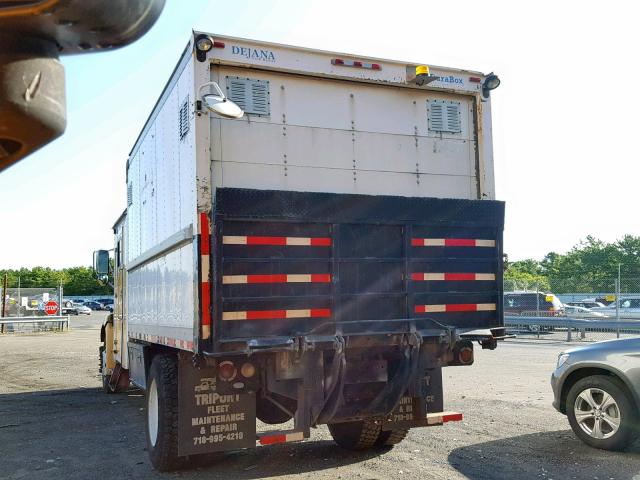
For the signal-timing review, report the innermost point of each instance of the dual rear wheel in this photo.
(365, 434)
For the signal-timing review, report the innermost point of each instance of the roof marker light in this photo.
(356, 63)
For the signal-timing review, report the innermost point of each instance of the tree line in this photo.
(75, 280)
(590, 266)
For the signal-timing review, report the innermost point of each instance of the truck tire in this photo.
(601, 413)
(106, 388)
(389, 438)
(162, 413)
(360, 435)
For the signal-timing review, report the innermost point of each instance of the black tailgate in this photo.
(292, 263)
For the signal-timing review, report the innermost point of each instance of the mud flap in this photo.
(412, 411)
(213, 416)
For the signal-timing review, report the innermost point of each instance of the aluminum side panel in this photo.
(160, 296)
(162, 177)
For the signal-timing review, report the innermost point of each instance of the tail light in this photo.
(227, 371)
(465, 355)
(248, 370)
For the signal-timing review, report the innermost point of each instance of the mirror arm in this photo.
(215, 86)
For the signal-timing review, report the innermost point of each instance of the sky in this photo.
(564, 122)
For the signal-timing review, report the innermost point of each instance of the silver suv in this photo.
(629, 308)
(598, 387)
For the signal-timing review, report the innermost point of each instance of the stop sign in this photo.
(51, 307)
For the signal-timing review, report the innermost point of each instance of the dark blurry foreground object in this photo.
(33, 33)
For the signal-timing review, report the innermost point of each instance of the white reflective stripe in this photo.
(433, 276)
(234, 240)
(298, 241)
(485, 243)
(435, 308)
(299, 278)
(232, 279)
(298, 313)
(486, 306)
(295, 436)
(204, 260)
(485, 276)
(433, 242)
(434, 419)
(234, 315)
(206, 331)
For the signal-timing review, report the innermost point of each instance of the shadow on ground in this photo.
(548, 455)
(84, 433)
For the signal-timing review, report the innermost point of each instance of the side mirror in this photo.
(101, 263)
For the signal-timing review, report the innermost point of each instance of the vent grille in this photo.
(184, 118)
(129, 195)
(444, 116)
(249, 94)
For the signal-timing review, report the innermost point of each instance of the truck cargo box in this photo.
(362, 157)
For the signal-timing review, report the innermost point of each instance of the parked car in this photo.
(598, 388)
(82, 309)
(581, 312)
(532, 303)
(629, 308)
(70, 310)
(105, 301)
(94, 305)
(109, 308)
(604, 300)
(586, 304)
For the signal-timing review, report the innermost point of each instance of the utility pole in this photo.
(3, 313)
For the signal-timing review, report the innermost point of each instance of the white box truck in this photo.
(309, 235)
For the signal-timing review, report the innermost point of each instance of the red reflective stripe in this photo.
(266, 314)
(266, 240)
(452, 417)
(417, 276)
(459, 242)
(282, 241)
(417, 242)
(205, 301)
(205, 247)
(320, 277)
(273, 439)
(421, 308)
(459, 276)
(320, 312)
(321, 242)
(461, 307)
(266, 278)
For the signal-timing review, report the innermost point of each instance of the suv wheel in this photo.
(601, 413)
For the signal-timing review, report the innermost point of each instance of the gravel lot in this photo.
(55, 423)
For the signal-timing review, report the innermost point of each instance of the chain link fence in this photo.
(31, 310)
(573, 308)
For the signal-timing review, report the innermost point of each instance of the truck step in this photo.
(286, 436)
